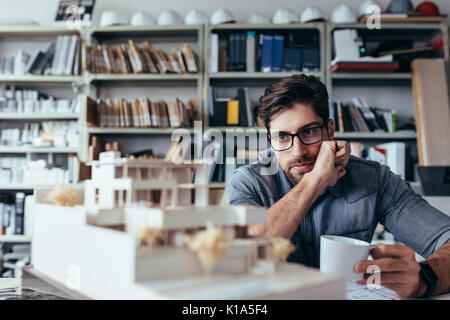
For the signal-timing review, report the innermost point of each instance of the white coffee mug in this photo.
(340, 254)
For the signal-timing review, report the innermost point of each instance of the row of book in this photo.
(138, 58)
(260, 52)
(12, 214)
(19, 170)
(62, 57)
(236, 111)
(141, 112)
(357, 116)
(17, 100)
(45, 133)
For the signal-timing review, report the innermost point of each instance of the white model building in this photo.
(100, 247)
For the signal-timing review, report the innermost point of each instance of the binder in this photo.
(245, 108)
(250, 51)
(277, 54)
(233, 112)
(266, 55)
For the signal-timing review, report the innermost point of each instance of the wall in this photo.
(43, 11)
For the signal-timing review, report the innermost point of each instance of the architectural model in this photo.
(144, 229)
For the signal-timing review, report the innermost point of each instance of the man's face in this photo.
(299, 159)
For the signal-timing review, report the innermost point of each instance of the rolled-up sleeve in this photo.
(242, 189)
(409, 217)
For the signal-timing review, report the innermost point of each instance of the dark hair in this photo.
(299, 88)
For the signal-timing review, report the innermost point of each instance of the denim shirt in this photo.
(368, 194)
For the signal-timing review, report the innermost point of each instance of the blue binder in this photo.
(277, 53)
(266, 57)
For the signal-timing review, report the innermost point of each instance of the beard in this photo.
(296, 176)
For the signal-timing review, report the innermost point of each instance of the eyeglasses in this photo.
(307, 136)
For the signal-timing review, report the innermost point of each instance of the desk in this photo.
(46, 289)
(36, 286)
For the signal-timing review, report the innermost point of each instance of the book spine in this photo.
(250, 51)
(19, 219)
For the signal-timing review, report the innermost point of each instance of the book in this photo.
(20, 62)
(311, 58)
(233, 112)
(155, 114)
(367, 114)
(32, 62)
(76, 62)
(250, 51)
(292, 59)
(214, 53)
(348, 124)
(163, 114)
(231, 50)
(266, 55)
(358, 118)
(243, 119)
(56, 57)
(178, 56)
(63, 55)
(46, 60)
(190, 58)
(71, 55)
(219, 116)
(19, 213)
(148, 60)
(277, 53)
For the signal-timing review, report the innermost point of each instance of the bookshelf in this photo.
(154, 86)
(128, 131)
(37, 116)
(98, 85)
(14, 149)
(14, 239)
(414, 31)
(29, 39)
(256, 81)
(113, 85)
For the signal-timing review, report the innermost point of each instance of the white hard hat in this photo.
(311, 14)
(112, 18)
(222, 16)
(258, 18)
(142, 19)
(284, 16)
(169, 17)
(196, 16)
(365, 7)
(343, 14)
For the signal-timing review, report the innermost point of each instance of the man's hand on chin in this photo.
(330, 163)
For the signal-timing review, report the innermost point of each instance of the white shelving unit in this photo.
(31, 149)
(256, 79)
(95, 83)
(14, 239)
(35, 34)
(163, 131)
(37, 116)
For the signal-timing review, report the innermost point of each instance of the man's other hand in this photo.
(400, 272)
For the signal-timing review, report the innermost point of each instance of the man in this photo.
(318, 190)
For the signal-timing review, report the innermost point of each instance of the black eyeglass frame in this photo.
(297, 134)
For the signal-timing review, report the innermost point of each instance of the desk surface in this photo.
(36, 286)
